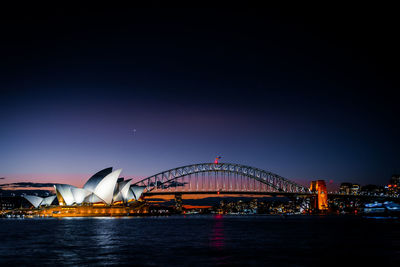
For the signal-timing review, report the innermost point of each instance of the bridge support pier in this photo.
(319, 203)
(178, 202)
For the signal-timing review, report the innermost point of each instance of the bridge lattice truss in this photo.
(221, 177)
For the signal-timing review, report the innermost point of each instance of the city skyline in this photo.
(150, 90)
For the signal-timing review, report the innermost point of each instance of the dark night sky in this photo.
(305, 93)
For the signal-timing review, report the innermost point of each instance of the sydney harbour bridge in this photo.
(236, 180)
(224, 179)
(219, 178)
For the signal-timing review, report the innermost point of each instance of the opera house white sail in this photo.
(48, 200)
(64, 194)
(121, 191)
(40, 201)
(79, 194)
(103, 187)
(137, 191)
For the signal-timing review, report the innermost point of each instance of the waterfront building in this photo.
(395, 180)
(12, 202)
(349, 189)
(393, 187)
(345, 188)
(105, 187)
(372, 190)
(355, 189)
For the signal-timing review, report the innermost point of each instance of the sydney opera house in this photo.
(104, 187)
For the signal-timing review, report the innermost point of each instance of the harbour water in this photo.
(201, 240)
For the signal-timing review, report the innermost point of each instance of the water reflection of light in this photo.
(105, 231)
(217, 236)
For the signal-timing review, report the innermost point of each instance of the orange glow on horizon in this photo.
(76, 179)
(195, 207)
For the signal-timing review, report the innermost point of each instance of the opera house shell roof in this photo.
(103, 187)
(40, 201)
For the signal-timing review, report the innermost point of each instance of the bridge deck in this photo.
(236, 193)
(159, 193)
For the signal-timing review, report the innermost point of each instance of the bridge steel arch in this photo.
(274, 181)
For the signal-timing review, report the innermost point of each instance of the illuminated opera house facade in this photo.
(104, 188)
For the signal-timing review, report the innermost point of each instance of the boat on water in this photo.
(385, 209)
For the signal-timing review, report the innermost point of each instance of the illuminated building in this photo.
(349, 189)
(395, 180)
(104, 194)
(393, 187)
(355, 189)
(372, 190)
(104, 187)
(345, 188)
(319, 187)
(12, 202)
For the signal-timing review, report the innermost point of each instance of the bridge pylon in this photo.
(320, 202)
(178, 202)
